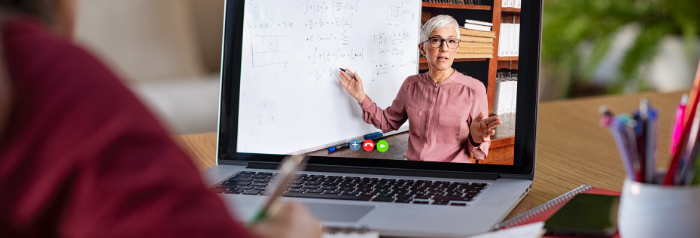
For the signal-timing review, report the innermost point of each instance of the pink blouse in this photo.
(439, 114)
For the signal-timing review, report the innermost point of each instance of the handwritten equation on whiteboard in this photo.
(330, 32)
(299, 46)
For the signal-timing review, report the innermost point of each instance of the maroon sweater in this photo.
(82, 157)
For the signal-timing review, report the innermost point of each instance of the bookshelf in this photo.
(497, 13)
(502, 145)
(455, 6)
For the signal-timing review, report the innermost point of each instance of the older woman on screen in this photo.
(447, 109)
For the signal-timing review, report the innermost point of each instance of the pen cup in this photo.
(652, 210)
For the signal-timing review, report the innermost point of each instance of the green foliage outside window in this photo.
(568, 23)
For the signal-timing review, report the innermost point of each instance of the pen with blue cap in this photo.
(335, 148)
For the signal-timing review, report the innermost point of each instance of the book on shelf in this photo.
(502, 39)
(476, 50)
(475, 2)
(466, 32)
(464, 38)
(506, 96)
(477, 27)
(516, 39)
(472, 56)
(509, 40)
(474, 44)
(511, 3)
(461, 2)
(475, 22)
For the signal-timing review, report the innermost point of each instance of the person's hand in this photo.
(481, 128)
(288, 220)
(353, 85)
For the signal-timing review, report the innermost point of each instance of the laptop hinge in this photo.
(381, 171)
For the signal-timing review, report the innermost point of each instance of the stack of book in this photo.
(506, 91)
(463, 2)
(477, 40)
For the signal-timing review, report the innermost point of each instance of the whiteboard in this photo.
(290, 98)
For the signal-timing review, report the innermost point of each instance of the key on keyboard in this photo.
(358, 188)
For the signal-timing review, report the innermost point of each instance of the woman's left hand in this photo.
(481, 128)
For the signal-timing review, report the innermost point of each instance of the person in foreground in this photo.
(80, 156)
(446, 109)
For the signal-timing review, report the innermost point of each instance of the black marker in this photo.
(351, 76)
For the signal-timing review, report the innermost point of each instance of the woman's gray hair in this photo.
(438, 22)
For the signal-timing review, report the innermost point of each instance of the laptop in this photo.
(280, 95)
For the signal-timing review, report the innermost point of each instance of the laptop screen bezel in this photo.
(526, 118)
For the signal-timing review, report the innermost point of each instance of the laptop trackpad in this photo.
(338, 212)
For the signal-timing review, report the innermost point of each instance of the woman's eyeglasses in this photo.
(436, 42)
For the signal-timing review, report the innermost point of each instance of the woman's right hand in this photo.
(353, 85)
(288, 220)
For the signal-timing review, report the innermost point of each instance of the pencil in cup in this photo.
(619, 130)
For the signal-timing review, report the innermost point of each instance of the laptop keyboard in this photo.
(358, 188)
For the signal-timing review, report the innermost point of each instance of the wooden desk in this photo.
(571, 148)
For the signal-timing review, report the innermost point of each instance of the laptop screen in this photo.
(399, 80)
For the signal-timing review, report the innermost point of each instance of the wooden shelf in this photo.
(456, 6)
(510, 9)
(508, 58)
(501, 142)
(425, 61)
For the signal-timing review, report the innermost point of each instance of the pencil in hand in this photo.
(287, 170)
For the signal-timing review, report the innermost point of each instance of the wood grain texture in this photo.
(502, 155)
(508, 58)
(510, 9)
(507, 64)
(200, 147)
(571, 148)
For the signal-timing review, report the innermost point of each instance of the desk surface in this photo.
(571, 148)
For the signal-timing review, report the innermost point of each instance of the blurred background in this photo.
(169, 51)
(594, 47)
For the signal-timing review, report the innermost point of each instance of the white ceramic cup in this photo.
(652, 210)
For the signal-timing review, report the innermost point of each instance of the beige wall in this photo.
(152, 40)
(209, 23)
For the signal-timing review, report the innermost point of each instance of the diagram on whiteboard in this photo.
(267, 50)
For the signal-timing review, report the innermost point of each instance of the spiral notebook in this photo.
(349, 232)
(544, 211)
